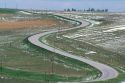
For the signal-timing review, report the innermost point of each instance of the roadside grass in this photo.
(16, 80)
(119, 79)
(74, 45)
(34, 75)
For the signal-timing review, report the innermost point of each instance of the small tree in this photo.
(92, 10)
(68, 10)
(106, 10)
(73, 9)
(65, 10)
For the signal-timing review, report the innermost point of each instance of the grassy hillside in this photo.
(8, 11)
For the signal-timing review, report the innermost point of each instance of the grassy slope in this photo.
(8, 11)
(33, 75)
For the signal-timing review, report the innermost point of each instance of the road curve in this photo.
(107, 71)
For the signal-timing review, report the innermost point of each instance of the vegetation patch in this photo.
(8, 11)
(34, 75)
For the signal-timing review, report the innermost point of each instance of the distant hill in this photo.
(8, 11)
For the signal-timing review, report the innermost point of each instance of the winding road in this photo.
(107, 71)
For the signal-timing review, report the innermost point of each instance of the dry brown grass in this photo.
(6, 14)
(27, 24)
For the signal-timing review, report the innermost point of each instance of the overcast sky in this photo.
(112, 5)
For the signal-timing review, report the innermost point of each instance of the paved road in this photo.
(107, 71)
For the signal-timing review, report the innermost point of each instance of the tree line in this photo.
(86, 10)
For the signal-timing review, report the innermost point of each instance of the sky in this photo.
(112, 5)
